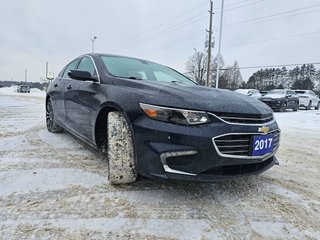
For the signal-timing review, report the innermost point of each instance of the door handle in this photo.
(69, 87)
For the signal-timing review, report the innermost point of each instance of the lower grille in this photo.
(238, 169)
(240, 144)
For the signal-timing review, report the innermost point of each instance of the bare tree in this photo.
(196, 67)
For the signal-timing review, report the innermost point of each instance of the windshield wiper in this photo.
(135, 78)
(176, 82)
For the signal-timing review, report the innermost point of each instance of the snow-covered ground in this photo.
(53, 186)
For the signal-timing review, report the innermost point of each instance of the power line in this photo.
(163, 33)
(230, 9)
(272, 39)
(164, 22)
(269, 66)
(276, 65)
(276, 14)
(269, 20)
(179, 25)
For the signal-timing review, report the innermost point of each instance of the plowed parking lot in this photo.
(53, 186)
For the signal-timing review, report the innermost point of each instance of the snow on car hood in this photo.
(199, 98)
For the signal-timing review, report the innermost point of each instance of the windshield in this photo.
(277, 91)
(142, 70)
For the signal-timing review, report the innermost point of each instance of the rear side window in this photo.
(86, 64)
(70, 66)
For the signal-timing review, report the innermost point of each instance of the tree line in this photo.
(305, 76)
(30, 84)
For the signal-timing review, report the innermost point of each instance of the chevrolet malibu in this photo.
(152, 121)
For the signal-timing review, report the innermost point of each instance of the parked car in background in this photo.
(308, 99)
(23, 89)
(249, 92)
(151, 120)
(281, 99)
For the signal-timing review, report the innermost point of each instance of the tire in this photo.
(120, 150)
(283, 107)
(318, 106)
(51, 125)
(295, 108)
(309, 106)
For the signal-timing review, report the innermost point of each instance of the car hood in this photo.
(199, 98)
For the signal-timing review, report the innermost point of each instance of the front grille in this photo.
(238, 169)
(245, 118)
(240, 144)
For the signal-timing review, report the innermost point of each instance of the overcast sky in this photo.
(256, 32)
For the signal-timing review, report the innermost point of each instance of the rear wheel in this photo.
(120, 150)
(309, 106)
(51, 125)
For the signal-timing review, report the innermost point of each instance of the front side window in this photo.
(142, 70)
(70, 66)
(86, 64)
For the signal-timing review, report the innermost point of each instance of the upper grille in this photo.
(245, 118)
(240, 144)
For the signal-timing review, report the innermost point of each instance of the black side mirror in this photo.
(82, 75)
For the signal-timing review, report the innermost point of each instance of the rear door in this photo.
(59, 91)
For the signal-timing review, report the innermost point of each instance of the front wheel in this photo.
(295, 108)
(51, 125)
(283, 107)
(120, 150)
(318, 106)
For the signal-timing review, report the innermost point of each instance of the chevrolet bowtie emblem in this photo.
(263, 129)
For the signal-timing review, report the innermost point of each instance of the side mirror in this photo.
(289, 95)
(82, 75)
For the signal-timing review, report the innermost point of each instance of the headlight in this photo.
(173, 115)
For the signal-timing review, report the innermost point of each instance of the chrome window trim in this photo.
(244, 124)
(80, 58)
(93, 64)
(262, 157)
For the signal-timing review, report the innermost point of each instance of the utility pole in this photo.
(209, 47)
(219, 49)
(25, 75)
(47, 69)
(92, 41)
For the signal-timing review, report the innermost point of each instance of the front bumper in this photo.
(171, 151)
(273, 104)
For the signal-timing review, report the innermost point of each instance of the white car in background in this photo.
(249, 92)
(308, 99)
